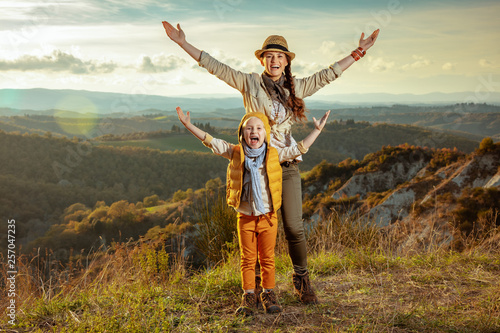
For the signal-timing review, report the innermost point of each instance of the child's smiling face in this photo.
(254, 132)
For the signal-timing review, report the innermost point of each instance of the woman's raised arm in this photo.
(365, 44)
(178, 36)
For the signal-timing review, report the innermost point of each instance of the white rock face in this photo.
(379, 181)
(396, 206)
(494, 181)
(477, 172)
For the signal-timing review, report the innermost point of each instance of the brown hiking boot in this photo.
(304, 289)
(248, 304)
(258, 291)
(269, 302)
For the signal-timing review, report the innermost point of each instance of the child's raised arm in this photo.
(186, 121)
(318, 126)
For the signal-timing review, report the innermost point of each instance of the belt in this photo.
(288, 163)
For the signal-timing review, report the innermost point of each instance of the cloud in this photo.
(327, 47)
(419, 62)
(57, 61)
(160, 63)
(448, 66)
(301, 68)
(487, 64)
(85, 12)
(379, 65)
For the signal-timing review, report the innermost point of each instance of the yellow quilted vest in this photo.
(237, 164)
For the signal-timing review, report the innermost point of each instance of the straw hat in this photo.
(275, 43)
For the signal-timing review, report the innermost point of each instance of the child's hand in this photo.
(184, 118)
(322, 122)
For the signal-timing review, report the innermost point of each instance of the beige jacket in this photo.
(255, 96)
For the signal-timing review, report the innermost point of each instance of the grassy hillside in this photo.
(367, 280)
(184, 141)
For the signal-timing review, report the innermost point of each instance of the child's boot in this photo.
(269, 302)
(248, 304)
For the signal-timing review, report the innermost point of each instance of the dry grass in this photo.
(367, 279)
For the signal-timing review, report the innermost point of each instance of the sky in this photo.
(121, 46)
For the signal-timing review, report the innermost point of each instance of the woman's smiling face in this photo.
(274, 63)
(254, 132)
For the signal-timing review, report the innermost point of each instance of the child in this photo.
(254, 190)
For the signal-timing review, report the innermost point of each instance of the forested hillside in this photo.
(41, 176)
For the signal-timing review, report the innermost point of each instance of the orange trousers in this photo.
(257, 235)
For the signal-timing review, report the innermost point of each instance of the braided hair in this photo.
(295, 103)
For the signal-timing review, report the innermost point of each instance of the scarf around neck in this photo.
(276, 89)
(253, 160)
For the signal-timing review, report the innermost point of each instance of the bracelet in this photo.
(363, 52)
(358, 53)
(355, 56)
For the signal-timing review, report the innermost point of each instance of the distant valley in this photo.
(32, 101)
(471, 121)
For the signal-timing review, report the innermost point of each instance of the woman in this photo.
(279, 95)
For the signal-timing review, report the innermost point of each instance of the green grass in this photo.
(360, 291)
(177, 142)
(365, 280)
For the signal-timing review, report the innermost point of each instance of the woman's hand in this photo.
(369, 41)
(319, 124)
(177, 35)
(184, 118)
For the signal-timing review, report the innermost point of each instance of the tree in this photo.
(151, 201)
(212, 186)
(486, 144)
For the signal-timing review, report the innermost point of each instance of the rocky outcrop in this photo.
(477, 172)
(494, 181)
(396, 206)
(407, 183)
(380, 181)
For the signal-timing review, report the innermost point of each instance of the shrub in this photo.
(445, 157)
(216, 225)
(474, 204)
(486, 144)
(152, 259)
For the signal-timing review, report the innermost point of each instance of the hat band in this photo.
(275, 46)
